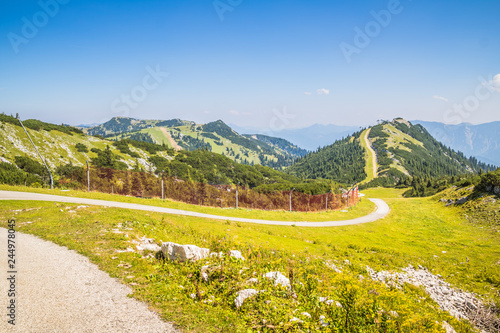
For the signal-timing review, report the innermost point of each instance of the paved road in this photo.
(58, 290)
(381, 211)
(372, 152)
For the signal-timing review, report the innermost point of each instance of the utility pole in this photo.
(46, 166)
(291, 199)
(88, 176)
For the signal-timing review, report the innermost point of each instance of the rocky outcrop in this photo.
(173, 251)
(460, 304)
(243, 295)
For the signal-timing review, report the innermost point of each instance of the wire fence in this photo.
(146, 185)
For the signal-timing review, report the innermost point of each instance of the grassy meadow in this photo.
(418, 231)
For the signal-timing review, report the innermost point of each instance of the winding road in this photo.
(381, 211)
(58, 290)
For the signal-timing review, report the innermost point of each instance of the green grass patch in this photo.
(417, 231)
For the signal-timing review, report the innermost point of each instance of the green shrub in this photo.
(80, 147)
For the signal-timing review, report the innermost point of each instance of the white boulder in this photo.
(279, 279)
(236, 254)
(243, 295)
(182, 253)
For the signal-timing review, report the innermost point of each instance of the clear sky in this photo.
(251, 62)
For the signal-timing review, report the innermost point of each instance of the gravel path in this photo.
(372, 153)
(58, 290)
(381, 211)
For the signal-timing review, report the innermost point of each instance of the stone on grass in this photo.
(243, 295)
(252, 280)
(279, 279)
(204, 273)
(236, 254)
(173, 251)
(146, 244)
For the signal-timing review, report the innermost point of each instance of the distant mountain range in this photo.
(309, 138)
(481, 141)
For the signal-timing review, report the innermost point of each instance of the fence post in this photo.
(236, 196)
(162, 198)
(291, 199)
(88, 176)
(326, 206)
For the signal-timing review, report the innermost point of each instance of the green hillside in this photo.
(215, 136)
(58, 144)
(66, 150)
(407, 151)
(343, 161)
(279, 144)
(403, 151)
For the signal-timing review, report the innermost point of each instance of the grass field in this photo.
(416, 232)
(364, 207)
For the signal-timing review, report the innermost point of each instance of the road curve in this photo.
(381, 211)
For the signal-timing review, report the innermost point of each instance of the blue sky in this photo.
(252, 63)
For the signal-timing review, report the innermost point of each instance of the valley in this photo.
(449, 238)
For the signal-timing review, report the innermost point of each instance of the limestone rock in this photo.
(204, 273)
(279, 279)
(173, 251)
(236, 254)
(243, 295)
(459, 303)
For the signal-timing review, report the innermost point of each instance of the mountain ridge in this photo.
(215, 136)
(403, 151)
